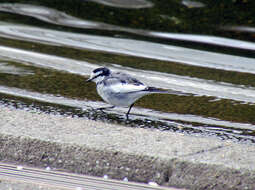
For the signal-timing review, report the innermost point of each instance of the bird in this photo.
(120, 89)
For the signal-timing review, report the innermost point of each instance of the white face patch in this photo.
(96, 77)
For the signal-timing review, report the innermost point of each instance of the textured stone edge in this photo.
(118, 165)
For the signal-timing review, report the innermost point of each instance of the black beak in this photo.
(89, 80)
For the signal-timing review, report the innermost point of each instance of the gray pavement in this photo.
(142, 155)
(10, 184)
(25, 178)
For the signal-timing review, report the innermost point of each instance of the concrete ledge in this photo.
(9, 184)
(142, 155)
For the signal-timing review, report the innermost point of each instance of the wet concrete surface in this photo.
(142, 155)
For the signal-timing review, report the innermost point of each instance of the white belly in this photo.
(119, 99)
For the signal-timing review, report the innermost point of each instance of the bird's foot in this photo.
(129, 111)
(127, 118)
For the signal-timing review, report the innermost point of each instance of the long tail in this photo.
(155, 90)
(160, 91)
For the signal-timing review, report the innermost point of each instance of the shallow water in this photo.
(49, 48)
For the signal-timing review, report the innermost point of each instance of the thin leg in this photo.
(104, 108)
(129, 110)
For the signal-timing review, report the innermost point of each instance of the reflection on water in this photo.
(49, 61)
(60, 18)
(53, 16)
(131, 4)
(239, 29)
(129, 47)
(193, 4)
(167, 81)
(207, 40)
(9, 69)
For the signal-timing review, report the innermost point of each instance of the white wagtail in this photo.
(120, 89)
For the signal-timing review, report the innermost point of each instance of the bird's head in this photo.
(99, 74)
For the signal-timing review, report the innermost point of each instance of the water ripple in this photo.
(130, 4)
(10, 69)
(129, 47)
(139, 112)
(60, 18)
(163, 80)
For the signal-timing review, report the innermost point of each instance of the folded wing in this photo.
(123, 83)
